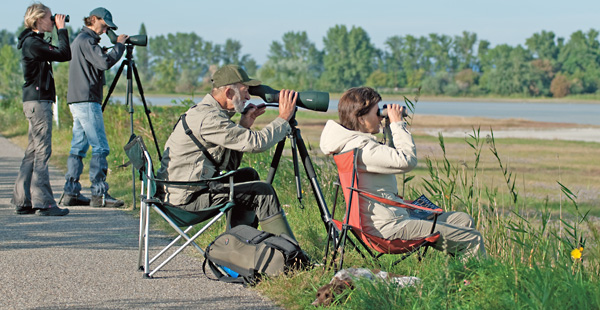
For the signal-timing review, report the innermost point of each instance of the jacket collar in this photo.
(91, 33)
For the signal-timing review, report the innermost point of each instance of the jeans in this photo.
(32, 187)
(88, 130)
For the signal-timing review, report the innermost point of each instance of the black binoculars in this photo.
(54, 17)
(384, 113)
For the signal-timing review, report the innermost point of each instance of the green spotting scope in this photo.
(139, 40)
(311, 100)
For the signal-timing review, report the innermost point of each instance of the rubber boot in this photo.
(277, 225)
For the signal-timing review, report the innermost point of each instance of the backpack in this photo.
(243, 254)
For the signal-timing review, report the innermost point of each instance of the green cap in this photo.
(105, 15)
(231, 74)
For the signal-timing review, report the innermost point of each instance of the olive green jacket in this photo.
(225, 140)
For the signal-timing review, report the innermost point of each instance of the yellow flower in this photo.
(576, 253)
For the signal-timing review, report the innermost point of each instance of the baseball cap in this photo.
(105, 15)
(231, 74)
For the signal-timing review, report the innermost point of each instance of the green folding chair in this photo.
(177, 218)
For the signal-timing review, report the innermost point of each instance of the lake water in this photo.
(578, 113)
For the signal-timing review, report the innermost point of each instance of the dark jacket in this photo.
(37, 56)
(86, 70)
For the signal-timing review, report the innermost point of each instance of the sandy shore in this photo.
(571, 134)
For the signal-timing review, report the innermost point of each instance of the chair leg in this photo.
(141, 240)
(146, 243)
(191, 240)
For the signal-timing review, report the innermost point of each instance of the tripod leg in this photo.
(275, 161)
(314, 183)
(114, 84)
(146, 110)
(296, 170)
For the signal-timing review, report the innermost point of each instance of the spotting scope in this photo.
(311, 100)
(139, 40)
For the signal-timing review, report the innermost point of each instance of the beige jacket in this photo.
(378, 165)
(225, 140)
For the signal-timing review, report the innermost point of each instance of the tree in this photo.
(142, 57)
(11, 77)
(293, 63)
(7, 38)
(560, 86)
(543, 45)
(349, 58)
(579, 59)
(507, 70)
(439, 52)
(463, 48)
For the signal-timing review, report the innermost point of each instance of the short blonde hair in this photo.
(33, 13)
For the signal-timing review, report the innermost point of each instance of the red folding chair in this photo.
(348, 177)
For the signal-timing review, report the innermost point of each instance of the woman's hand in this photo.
(395, 112)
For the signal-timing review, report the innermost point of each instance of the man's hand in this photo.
(248, 118)
(287, 103)
(395, 112)
(59, 21)
(122, 38)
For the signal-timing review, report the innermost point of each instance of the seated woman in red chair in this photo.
(378, 165)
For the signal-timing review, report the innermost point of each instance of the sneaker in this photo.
(106, 201)
(25, 210)
(75, 200)
(53, 211)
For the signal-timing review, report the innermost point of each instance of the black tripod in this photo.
(299, 148)
(132, 70)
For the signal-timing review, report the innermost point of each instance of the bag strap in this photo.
(189, 132)
(220, 276)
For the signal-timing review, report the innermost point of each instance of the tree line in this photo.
(463, 65)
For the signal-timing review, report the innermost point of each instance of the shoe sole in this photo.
(75, 204)
(43, 214)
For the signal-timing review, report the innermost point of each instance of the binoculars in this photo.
(311, 100)
(54, 17)
(384, 113)
(139, 40)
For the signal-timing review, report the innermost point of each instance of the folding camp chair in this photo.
(140, 158)
(348, 177)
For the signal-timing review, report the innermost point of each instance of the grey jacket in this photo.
(378, 165)
(88, 63)
(225, 140)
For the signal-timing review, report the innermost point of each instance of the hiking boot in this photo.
(106, 201)
(75, 200)
(53, 211)
(25, 210)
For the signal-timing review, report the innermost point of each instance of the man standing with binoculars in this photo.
(86, 79)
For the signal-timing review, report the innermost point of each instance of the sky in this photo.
(256, 24)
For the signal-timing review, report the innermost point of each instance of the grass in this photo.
(533, 201)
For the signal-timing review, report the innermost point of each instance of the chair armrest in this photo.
(393, 203)
(198, 182)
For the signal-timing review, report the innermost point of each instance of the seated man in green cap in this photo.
(205, 142)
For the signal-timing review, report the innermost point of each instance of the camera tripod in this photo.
(131, 71)
(299, 148)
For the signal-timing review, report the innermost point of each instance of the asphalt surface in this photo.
(88, 260)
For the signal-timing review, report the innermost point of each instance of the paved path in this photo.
(87, 260)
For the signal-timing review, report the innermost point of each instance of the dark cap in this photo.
(105, 15)
(231, 74)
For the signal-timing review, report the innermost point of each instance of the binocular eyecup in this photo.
(383, 112)
(53, 17)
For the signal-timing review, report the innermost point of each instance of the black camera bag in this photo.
(252, 253)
